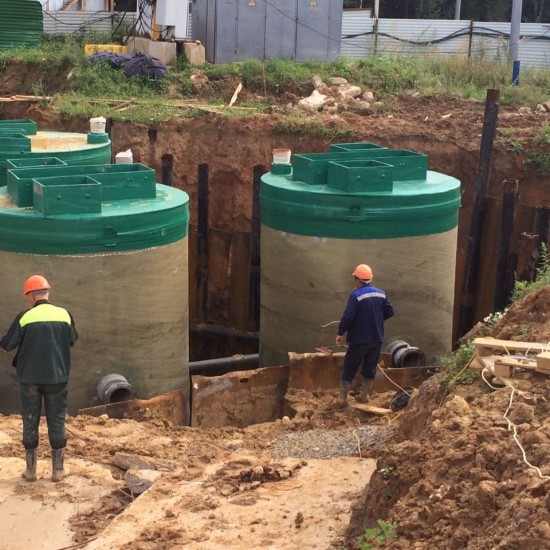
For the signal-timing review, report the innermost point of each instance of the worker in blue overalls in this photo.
(363, 321)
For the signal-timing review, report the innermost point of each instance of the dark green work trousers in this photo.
(55, 405)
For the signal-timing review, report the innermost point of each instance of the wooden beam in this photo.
(481, 185)
(370, 408)
(69, 5)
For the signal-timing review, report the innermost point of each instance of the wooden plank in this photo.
(370, 408)
(543, 360)
(487, 266)
(219, 246)
(502, 371)
(483, 345)
(255, 255)
(240, 279)
(516, 362)
(504, 282)
(193, 272)
(202, 243)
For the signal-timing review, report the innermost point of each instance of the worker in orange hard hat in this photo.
(43, 336)
(363, 321)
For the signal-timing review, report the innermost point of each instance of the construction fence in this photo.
(364, 37)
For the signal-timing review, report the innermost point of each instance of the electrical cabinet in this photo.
(235, 30)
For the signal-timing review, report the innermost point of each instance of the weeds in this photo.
(540, 161)
(307, 126)
(542, 135)
(386, 76)
(455, 367)
(542, 277)
(373, 538)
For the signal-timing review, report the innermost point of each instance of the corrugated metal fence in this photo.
(363, 37)
(67, 22)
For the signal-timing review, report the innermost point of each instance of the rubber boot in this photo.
(58, 456)
(30, 473)
(366, 387)
(344, 390)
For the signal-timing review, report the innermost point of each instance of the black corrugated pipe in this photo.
(232, 363)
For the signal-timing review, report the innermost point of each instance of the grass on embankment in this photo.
(432, 76)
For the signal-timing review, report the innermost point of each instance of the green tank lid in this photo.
(22, 126)
(70, 148)
(58, 209)
(357, 191)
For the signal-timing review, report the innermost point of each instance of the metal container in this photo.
(360, 203)
(113, 245)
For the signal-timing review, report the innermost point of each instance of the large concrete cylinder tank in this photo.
(19, 139)
(113, 245)
(360, 203)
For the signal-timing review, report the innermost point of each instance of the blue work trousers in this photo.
(361, 354)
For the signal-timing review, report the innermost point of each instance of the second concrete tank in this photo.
(360, 203)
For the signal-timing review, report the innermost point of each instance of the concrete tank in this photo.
(113, 245)
(360, 203)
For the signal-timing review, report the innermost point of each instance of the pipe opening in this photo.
(114, 388)
(404, 355)
(121, 394)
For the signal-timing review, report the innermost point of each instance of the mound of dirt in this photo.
(527, 320)
(456, 476)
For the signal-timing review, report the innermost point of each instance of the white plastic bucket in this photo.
(124, 157)
(281, 156)
(97, 125)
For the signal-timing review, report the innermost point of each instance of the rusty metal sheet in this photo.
(238, 398)
(169, 406)
(321, 372)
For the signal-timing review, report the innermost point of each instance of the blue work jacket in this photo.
(364, 317)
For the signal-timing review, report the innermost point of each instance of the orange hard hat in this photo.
(35, 282)
(363, 272)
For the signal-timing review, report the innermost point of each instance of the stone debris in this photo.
(327, 444)
(336, 96)
(138, 481)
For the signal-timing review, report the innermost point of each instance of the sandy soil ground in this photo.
(217, 488)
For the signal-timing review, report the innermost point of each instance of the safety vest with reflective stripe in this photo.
(43, 335)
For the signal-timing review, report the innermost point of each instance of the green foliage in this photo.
(506, 138)
(310, 127)
(540, 161)
(542, 135)
(456, 369)
(387, 76)
(542, 277)
(373, 538)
